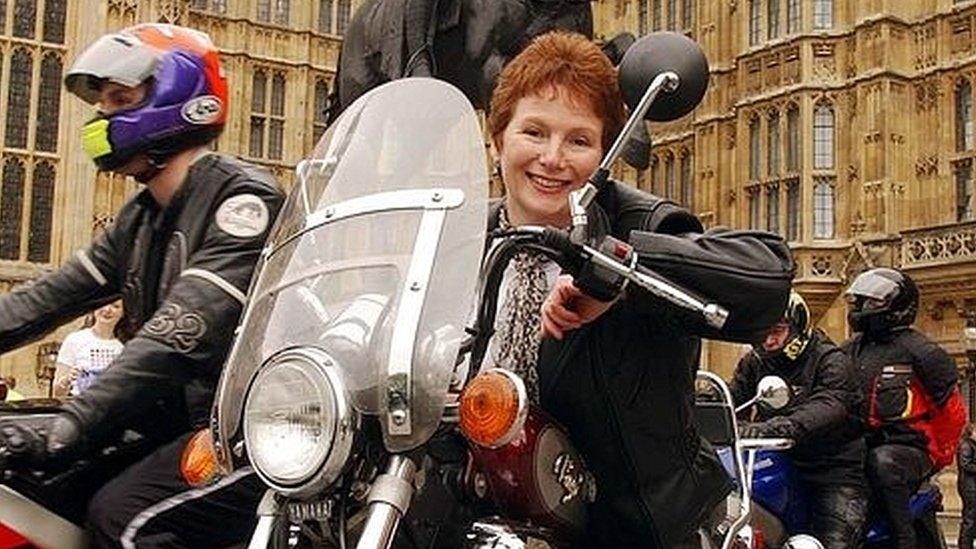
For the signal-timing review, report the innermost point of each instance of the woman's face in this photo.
(548, 149)
(109, 314)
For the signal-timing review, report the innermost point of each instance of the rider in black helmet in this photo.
(820, 418)
(912, 407)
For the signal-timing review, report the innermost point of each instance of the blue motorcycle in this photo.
(780, 506)
(778, 500)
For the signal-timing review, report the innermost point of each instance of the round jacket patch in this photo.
(243, 216)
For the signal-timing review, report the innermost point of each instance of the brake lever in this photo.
(605, 271)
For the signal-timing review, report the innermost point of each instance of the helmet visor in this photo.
(120, 58)
(874, 287)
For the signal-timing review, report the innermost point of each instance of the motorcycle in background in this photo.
(779, 498)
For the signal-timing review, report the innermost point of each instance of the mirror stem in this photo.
(580, 199)
(666, 81)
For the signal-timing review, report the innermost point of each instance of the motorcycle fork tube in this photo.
(268, 510)
(388, 500)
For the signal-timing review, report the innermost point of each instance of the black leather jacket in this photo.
(623, 384)
(182, 272)
(824, 408)
(966, 463)
(899, 371)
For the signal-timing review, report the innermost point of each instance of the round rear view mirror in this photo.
(773, 392)
(661, 52)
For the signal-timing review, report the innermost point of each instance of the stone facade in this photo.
(845, 125)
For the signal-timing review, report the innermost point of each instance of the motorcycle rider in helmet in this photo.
(911, 407)
(180, 254)
(821, 418)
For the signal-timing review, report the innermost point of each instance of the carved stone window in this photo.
(259, 86)
(772, 19)
(823, 14)
(754, 149)
(642, 17)
(264, 11)
(669, 180)
(656, 181)
(754, 75)
(687, 182)
(772, 145)
(752, 198)
(964, 116)
(656, 16)
(281, 12)
(215, 6)
(793, 210)
(755, 22)
(11, 206)
(321, 102)
(42, 206)
(823, 137)
(687, 15)
(962, 34)
(276, 127)
(823, 208)
(325, 16)
(792, 139)
(672, 15)
(54, 14)
(793, 16)
(3, 16)
(18, 98)
(25, 16)
(964, 189)
(49, 102)
(343, 13)
(772, 208)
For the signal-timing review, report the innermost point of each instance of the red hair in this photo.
(556, 60)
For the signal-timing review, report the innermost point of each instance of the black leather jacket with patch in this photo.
(623, 384)
(182, 272)
(825, 408)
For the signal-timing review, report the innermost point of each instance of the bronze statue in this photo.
(465, 42)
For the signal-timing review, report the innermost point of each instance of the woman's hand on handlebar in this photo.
(568, 308)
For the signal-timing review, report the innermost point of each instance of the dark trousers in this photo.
(150, 505)
(967, 524)
(838, 515)
(895, 472)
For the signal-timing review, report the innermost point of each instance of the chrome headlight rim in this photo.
(345, 422)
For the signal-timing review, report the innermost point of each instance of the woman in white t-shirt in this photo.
(88, 352)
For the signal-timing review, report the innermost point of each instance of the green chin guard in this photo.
(94, 137)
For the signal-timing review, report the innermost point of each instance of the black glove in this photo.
(777, 427)
(53, 442)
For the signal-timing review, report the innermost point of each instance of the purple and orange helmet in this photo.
(185, 103)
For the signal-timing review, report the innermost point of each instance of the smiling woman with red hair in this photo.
(617, 375)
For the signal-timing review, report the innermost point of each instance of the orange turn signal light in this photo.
(199, 462)
(493, 407)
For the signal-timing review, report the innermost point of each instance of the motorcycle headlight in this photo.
(298, 422)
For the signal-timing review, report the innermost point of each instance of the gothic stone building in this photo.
(844, 125)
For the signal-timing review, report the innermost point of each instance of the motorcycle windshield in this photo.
(374, 259)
